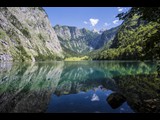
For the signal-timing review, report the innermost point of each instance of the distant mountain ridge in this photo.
(83, 40)
(75, 39)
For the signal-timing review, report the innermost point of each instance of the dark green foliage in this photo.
(26, 33)
(47, 57)
(145, 13)
(141, 92)
(138, 38)
(41, 37)
(23, 54)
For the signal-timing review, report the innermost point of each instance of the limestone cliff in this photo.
(26, 34)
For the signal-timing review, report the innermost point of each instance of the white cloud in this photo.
(115, 21)
(85, 22)
(120, 9)
(95, 98)
(106, 24)
(93, 21)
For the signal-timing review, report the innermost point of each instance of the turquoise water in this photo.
(85, 87)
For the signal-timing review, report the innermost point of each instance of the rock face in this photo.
(5, 57)
(105, 37)
(75, 39)
(26, 34)
(83, 40)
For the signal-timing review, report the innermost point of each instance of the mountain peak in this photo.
(95, 31)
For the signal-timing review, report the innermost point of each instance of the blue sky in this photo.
(85, 17)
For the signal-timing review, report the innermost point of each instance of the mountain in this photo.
(136, 39)
(83, 41)
(26, 34)
(105, 37)
(75, 39)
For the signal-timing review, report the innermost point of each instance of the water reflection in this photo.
(28, 87)
(93, 86)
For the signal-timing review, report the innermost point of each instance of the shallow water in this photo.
(85, 87)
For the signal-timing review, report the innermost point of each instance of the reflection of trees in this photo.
(158, 68)
(27, 87)
(83, 76)
(140, 91)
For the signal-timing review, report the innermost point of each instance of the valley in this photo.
(75, 68)
(32, 38)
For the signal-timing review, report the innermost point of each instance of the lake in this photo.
(79, 87)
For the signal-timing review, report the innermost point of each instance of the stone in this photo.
(115, 100)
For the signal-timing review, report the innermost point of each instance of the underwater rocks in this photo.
(115, 100)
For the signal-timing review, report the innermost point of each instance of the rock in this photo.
(83, 40)
(115, 100)
(5, 57)
(75, 39)
(27, 26)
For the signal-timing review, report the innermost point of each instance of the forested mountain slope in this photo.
(136, 39)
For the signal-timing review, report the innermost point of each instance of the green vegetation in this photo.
(141, 92)
(41, 37)
(26, 33)
(138, 38)
(2, 34)
(23, 55)
(77, 58)
(48, 57)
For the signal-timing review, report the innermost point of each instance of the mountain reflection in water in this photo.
(86, 86)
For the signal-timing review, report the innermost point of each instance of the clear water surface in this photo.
(85, 87)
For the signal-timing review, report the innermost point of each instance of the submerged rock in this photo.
(115, 100)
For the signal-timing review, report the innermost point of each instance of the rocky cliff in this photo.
(83, 40)
(105, 38)
(77, 40)
(26, 34)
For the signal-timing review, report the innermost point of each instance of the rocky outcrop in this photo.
(115, 100)
(26, 34)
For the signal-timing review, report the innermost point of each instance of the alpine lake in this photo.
(79, 87)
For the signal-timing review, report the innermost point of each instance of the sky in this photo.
(98, 18)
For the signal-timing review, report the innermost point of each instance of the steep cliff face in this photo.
(77, 40)
(105, 38)
(83, 40)
(26, 34)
